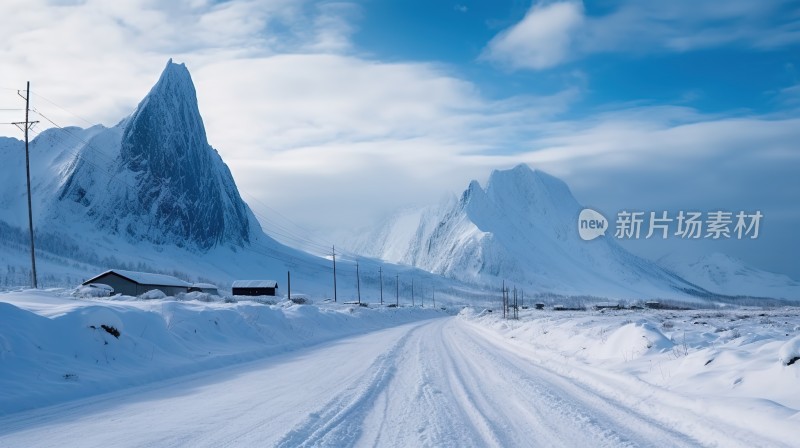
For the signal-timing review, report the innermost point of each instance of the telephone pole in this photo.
(380, 272)
(334, 273)
(358, 283)
(412, 292)
(397, 293)
(25, 127)
(504, 299)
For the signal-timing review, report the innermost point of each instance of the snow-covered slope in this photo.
(724, 274)
(184, 194)
(151, 194)
(521, 228)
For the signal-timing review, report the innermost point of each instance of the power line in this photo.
(65, 110)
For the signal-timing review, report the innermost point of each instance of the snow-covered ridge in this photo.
(522, 228)
(728, 275)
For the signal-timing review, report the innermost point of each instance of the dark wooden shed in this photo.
(254, 288)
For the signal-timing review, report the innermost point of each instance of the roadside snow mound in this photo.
(633, 341)
(153, 294)
(789, 352)
(93, 290)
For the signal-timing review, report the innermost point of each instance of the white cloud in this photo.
(542, 39)
(551, 34)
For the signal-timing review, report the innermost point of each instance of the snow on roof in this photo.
(254, 284)
(145, 278)
(204, 285)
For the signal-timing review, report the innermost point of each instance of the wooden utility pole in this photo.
(289, 284)
(25, 127)
(397, 293)
(412, 292)
(380, 272)
(504, 299)
(433, 296)
(334, 273)
(358, 283)
(516, 313)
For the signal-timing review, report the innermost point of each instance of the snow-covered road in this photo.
(441, 382)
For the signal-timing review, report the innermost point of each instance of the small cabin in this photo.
(254, 288)
(607, 306)
(133, 283)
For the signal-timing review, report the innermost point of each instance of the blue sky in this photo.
(379, 104)
(731, 77)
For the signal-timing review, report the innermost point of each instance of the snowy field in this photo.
(194, 373)
(737, 365)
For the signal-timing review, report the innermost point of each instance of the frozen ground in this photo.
(347, 376)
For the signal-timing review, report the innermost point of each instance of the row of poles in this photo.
(380, 273)
(510, 303)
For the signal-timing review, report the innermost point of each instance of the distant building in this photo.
(254, 287)
(132, 283)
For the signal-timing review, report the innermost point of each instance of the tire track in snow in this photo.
(421, 398)
(557, 414)
(339, 422)
(621, 403)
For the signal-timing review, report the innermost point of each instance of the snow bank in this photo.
(729, 353)
(54, 347)
(633, 341)
(789, 352)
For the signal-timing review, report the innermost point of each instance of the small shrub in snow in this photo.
(153, 294)
(110, 330)
(789, 353)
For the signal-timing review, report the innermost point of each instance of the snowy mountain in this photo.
(724, 274)
(184, 193)
(521, 228)
(151, 194)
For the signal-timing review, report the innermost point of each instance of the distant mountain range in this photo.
(727, 275)
(522, 227)
(150, 193)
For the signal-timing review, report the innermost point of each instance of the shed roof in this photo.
(255, 284)
(204, 285)
(144, 278)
